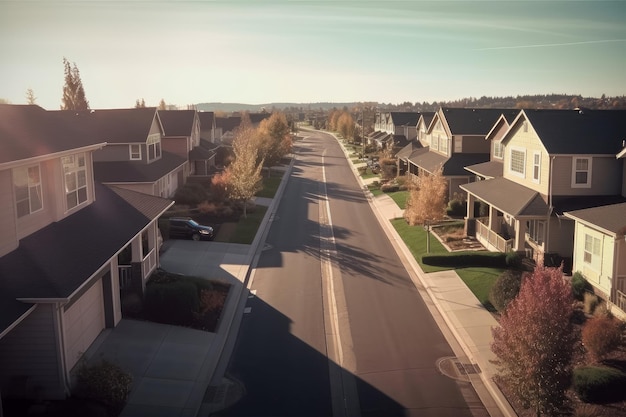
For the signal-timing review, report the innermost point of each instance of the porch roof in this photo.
(408, 150)
(490, 169)
(452, 166)
(137, 171)
(55, 261)
(610, 218)
(509, 197)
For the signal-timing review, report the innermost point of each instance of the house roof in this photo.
(404, 118)
(57, 260)
(463, 121)
(489, 169)
(599, 132)
(207, 118)
(256, 118)
(136, 171)
(406, 152)
(564, 204)
(428, 117)
(113, 125)
(508, 197)
(452, 166)
(611, 219)
(29, 131)
(201, 153)
(148, 205)
(177, 122)
(227, 123)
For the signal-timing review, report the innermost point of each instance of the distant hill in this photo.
(237, 107)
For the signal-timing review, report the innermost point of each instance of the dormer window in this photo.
(135, 152)
(28, 191)
(581, 172)
(75, 179)
(498, 150)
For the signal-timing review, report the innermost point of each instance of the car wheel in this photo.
(195, 236)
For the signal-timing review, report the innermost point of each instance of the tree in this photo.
(427, 199)
(345, 126)
(274, 139)
(535, 341)
(73, 91)
(601, 335)
(162, 105)
(141, 104)
(30, 96)
(244, 173)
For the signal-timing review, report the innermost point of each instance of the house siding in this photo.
(176, 145)
(606, 176)
(599, 272)
(8, 238)
(561, 237)
(473, 144)
(530, 142)
(28, 359)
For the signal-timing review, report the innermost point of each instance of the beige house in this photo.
(455, 139)
(63, 234)
(553, 161)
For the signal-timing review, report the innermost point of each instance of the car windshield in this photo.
(193, 223)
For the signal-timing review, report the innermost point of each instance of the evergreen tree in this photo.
(30, 96)
(73, 91)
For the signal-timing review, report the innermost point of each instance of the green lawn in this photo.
(375, 190)
(270, 185)
(478, 279)
(368, 174)
(400, 197)
(247, 227)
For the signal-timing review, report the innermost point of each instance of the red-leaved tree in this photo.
(536, 339)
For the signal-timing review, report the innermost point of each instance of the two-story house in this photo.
(394, 129)
(134, 157)
(416, 146)
(457, 139)
(553, 161)
(62, 236)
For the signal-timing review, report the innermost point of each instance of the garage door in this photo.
(83, 321)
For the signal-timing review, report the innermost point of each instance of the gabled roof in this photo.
(598, 132)
(611, 219)
(404, 118)
(452, 166)
(28, 131)
(207, 119)
(136, 171)
(406, 152)
(113, 125)
(177, 122)
(463, 121)
(503, 122)
(57, 260)
(256, 118)
(428, 117)
(509, 197)
(489, 169)
(227, 123)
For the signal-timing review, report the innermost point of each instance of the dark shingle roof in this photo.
(611, 218)
(30, 131)
(177, 122)
(508, 197)
(227, 123)
(55, 261)
(136, 171)
(489, 169)
(256, 118)
(406, 152)
(207, 118)
(578, 132)
(404, 118)
(428, 117)
(452, 166)
(462, 121)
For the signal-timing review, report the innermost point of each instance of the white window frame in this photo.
(592, 248)
(443, 144)
(498, 150)
(517, 173)
(575, 170)
(75, 180)
(154, 147)
(134, 154)
(434, 142)
(536, 166)
(537, 231)
(28, 179)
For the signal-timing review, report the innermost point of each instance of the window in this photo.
(135, 152)
(592, 248)
(536, 166)
(443, 144)
(28, 191)
(154, 146)
(581, 172)
(458, 145)
(434, 142)
(518, 161)
(75, 177)
(498, 150)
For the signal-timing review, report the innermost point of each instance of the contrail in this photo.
(550, 45)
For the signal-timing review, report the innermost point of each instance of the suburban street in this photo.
(336, 326)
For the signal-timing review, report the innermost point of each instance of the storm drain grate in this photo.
(467, 368)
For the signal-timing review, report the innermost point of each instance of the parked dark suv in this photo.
(186, 227)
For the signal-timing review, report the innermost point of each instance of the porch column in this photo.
(471, 201)
(470, 221)
(137, 249)
(520, 235)
(493, 218)
(137, 266)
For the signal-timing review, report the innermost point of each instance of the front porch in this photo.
(139, 259)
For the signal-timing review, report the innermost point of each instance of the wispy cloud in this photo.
(550, 45)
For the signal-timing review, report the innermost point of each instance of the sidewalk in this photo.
(469, 322)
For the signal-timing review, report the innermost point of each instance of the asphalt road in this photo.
(337, 326)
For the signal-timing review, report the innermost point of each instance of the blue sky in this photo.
(310, 51)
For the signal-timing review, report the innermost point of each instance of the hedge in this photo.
(487, 259)
(598, 384)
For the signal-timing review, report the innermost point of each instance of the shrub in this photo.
(192, 193)
(601, 335)
(505, 289)
(456, 208)
(362, 170)
(494, 259)
(173, 302)
(106, 383)
(513, 260)
(580, 286)
(590, 302)
(596, 384)
(389, 188)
